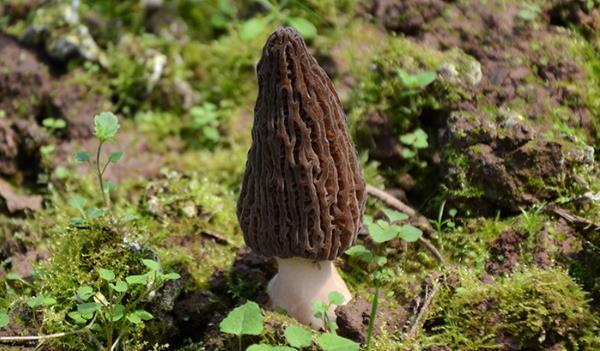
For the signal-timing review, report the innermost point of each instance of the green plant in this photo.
(267, 347)
(529, 12)
(106, 126)
(243, 320)
(12, 276)
(525, 304)
(382, 231)
(297, 337)
(4, 320)
(278, 14)
(332, 342)
(54, 124)
(440, 223)
(113, 311)
(37, 303)
(414, 83)
(414, 141)
(531, 216)
(79, 203)
(320, 309)
(247, 319)
(205, 120)
(107, 310)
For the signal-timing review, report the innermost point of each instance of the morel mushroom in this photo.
(303, 193)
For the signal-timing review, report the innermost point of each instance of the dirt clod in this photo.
(353, 318)
(505, 253)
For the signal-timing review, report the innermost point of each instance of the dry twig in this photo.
(8, 339)
(573, 219)
(430, 290)
(390, 200)
(42, 338)
(218, 238)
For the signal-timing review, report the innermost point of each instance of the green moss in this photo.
(146, 72)
(230, 54)
(382, 90)
(464, 189)
(74, 261)
(167, 224)
(384, 96)
(178, 209)
(587, 57)
(532, 309)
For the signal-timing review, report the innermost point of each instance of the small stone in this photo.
(474, 74)
(189, 209)
(448, 71)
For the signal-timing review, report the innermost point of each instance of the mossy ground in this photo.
(181, 77)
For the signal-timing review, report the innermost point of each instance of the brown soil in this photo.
(19, 254)
(572, 12)
(550, 247)
(30, 91)
(197, 313)
(503, 151)
(506, 253)
(407, 16)
(555, 242)
(248, 277)
(138, 160)
(15, 202)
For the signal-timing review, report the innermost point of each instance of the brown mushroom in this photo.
(303, 193)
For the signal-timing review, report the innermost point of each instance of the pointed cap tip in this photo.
(283, 34)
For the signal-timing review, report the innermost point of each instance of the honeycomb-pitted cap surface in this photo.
(303, 193)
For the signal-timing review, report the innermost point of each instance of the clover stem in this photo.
(109, 344)
(373, 313)
(100, 173)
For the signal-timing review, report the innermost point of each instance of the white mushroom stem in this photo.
(301, 281)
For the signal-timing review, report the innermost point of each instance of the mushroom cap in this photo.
(303, 193)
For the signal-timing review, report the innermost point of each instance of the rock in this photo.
(406, 16)
(24, 80)
(8, 149)
(503, 160)
(474, 74)
(162, 306)
(57, 26)
(489, 172)
(17, 203)
(468, 128)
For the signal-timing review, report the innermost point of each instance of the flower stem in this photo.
(373, 313)
(100, 173)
